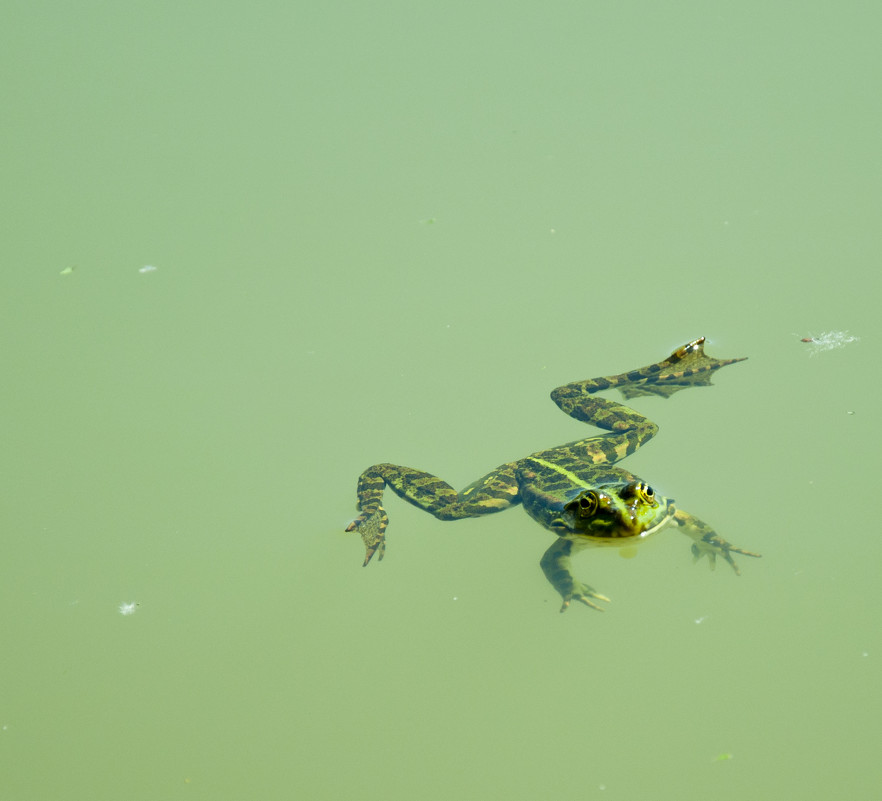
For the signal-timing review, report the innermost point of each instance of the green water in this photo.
(384, 232)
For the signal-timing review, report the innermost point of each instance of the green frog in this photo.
(574, 490)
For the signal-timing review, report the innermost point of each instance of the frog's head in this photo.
(613, 511)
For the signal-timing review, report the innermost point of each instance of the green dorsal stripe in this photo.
(570, 476)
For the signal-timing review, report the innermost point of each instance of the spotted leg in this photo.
(706, 541)
(556, 566)
(494, 492)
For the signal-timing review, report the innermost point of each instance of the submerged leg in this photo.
(492, 493)
(706, 541)
(556, 566)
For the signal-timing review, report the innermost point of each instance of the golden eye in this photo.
(587, 504)
(646, 493)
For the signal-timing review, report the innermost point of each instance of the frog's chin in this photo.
(658, 525)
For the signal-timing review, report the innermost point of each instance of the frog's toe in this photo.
(711, 548)
(585, 597)
(379, 549)
(727, 554)
(698, 552)
(372, 528)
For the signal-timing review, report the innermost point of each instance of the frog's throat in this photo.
(669, 515)
(620, 541)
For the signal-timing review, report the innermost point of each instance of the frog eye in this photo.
(645, 493)
(642, 492)
(586, 506)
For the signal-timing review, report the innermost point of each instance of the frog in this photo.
(576, 491)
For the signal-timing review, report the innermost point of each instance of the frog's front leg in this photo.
(494, 492)
(556, 566)
(706, 541)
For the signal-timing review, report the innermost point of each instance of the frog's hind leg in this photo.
(492, 493)
(688, 366)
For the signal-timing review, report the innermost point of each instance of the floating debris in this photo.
(829, 340)
(147, 268)
(68, 270)
(128, 608)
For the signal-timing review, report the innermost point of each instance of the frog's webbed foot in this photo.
(706, 541)
(688, 366)
(555, 564)
(713, 545)
(371, 524)
(582, 593)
